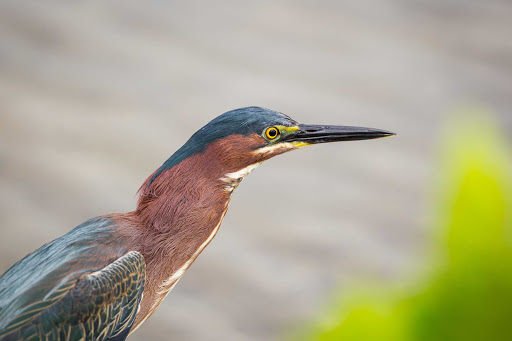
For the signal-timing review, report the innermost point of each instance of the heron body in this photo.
(105, 277)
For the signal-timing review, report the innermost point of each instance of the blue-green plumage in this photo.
(51, 291)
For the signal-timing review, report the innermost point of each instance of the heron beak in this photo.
(313, 133)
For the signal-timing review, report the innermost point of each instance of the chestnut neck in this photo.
(180, 208)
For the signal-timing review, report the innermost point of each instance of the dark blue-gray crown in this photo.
(243, 121)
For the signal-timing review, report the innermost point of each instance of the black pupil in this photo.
(272, 132)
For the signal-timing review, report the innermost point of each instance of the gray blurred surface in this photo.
(95, 96)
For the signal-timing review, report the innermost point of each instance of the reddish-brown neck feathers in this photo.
(180, 208)
(178, 212)
(195, 182)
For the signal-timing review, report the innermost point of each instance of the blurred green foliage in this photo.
(466, 293)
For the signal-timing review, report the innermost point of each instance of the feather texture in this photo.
(101, 305)
(75, 286)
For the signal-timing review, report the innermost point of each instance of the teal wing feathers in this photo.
(98, 305)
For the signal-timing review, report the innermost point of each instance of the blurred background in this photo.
(95, 96)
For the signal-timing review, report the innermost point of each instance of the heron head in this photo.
(239, 140)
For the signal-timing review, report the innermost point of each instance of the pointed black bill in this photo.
(313, 133)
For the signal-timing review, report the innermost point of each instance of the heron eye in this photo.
(272, 133)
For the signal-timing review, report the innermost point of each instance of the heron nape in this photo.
(105, 277)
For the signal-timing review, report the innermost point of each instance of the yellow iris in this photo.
(271, 133)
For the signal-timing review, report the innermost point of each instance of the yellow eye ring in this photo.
(272, 133)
